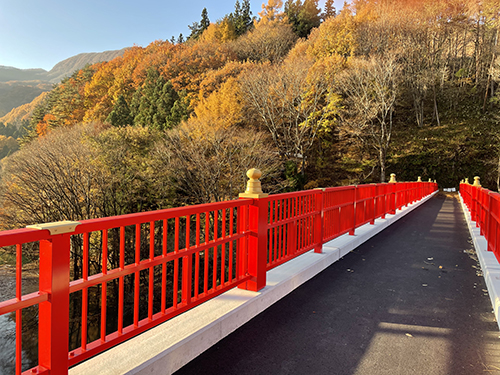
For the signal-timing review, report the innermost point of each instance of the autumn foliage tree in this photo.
(371, 88)
(223, 107)
(293, 102)
(220, 32)
(208, 163)
(82, 172)
(269, 41)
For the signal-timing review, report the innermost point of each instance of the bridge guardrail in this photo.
(113, 278)
(484, 207)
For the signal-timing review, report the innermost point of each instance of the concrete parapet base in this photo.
(169, 346)
(488, 261)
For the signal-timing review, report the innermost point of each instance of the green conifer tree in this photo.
(156, 104)
(303, 17)
(120, 115)
(241, 17)
(205, 21)
(197, 28)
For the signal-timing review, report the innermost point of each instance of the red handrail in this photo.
(155, 265)
(484, 208)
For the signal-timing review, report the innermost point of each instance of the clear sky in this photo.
(40, 33)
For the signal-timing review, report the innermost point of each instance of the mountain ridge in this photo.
(21, 86)
(68, 66)
(60, 70)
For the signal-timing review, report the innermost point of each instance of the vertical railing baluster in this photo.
(85, 297)
(104, 286)
(176, 263)
(164, 268)
(187, 266)
(206, 252)
(136, 274)
(197, 258)
(231, 256)
(151, 269)
(120, 282)
(19, 312)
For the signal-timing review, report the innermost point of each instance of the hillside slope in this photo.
(16, 93)
(23, 112)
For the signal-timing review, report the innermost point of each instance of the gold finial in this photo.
(476, 181)
(435, 182)
(419, 179)
(430, 180)
(393, 178)
(254, 188)
(467, 180)
(462, 181)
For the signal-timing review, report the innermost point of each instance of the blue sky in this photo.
(40, 33)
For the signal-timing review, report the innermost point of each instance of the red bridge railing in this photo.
(107, 280)
(484, 208)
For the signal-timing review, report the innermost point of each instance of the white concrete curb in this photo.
(488, 261)
(169, 346)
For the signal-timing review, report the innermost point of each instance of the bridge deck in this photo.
(409, 301)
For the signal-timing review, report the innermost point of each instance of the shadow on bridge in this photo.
(409, 301)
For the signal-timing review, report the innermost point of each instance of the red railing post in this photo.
(257, 236)
(476, 201)
(53, 321)
(257, 245)
(318, 222)
(487, 216)
(392, 197)
(493, 214)
(407, 193)
(354, 208)
(53, 317)
(384, 200)
(373, 191)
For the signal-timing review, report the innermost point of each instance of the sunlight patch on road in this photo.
(409, 349)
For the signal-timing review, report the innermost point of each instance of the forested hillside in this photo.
(310, 96)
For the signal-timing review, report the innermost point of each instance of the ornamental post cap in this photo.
(254, 174)
(393, 178)
(467, 180)
(254, 187)
(419, 179)
(476, 181)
